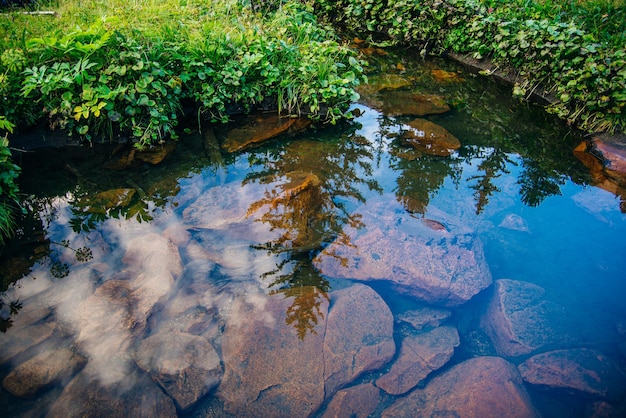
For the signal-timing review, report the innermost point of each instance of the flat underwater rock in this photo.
(357, 401)
(271, 365)
(479, 387)
(420, 355)
(424, 317)
(439, 267)
(520, 319)
(186, 366)
(580, 371)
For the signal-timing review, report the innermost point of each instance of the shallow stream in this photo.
(334, 271)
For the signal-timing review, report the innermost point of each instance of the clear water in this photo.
(514, 183)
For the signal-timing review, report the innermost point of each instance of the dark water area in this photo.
(331, 272)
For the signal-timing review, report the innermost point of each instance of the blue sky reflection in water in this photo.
(224, 245)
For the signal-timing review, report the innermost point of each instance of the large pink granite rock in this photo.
(359, 335)
(581, 371)
(358, 401)
(438, 266)
(521, 320)
(420, 355)
(477, 388)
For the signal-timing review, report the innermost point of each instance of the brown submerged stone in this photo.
(262, 128)
(407, 103)
(107, 200)
(477, 388)
(430, 138)
(358, 401)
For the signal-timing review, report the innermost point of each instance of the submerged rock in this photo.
(514, 222)
(479, 387)
(581, 371)
(358, 402)
(419, 356)
(107, 200)
(520, 320)
(135, 396)
(262, 128)
(359, 335)
(267, 366)
(430, 138)
(42, 370)
(611, 149)
(424, 317)
(407, 103)
(446, 76)
(439, 267)
(272, 368)
(187, 367)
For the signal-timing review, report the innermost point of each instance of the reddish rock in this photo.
(424, 317)
(438, 267)
(419, 356)
(520, 320)
(477, 388)
(358, 402)
(430, 138)
(581, 371)
(359, 335)
(262, 128)
(268, 369)
(187, 367)
(42, 370)
(611, 149)
(135, 396)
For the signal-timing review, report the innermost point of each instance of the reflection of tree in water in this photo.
(493, 165)
(537, 183)
(308, 210)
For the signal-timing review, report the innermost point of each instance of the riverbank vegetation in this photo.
(575, 49)
(115, 70)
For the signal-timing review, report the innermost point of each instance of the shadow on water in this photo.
(207, 283)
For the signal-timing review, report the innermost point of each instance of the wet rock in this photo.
(520, 320)
(419, 356)
(445, 268)
(358, 401)
(105, 330)
(289, 208)
(424, 317)
(221, 207)
(359, 335)
(611, 149)
(379, 82)
(407, 103)
(446, 76)
(42, 370)
(262, 128)
(581, 371)
(430, 138)
(602, 409)
(479, 387)
(135, 396)
(514, 222)
(154, 263)
(187, 367)
(107, 200)
(157, 153)
(267, 366)
(603, 178)
(177, 234)
(16, 341)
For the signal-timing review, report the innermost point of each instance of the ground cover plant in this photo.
(126, 69)
(575, 49)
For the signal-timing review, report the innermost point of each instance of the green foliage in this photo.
(575, 49)
(124, 75)
(8, 188)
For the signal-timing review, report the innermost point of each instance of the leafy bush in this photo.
(8, 188)
(123, 75)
